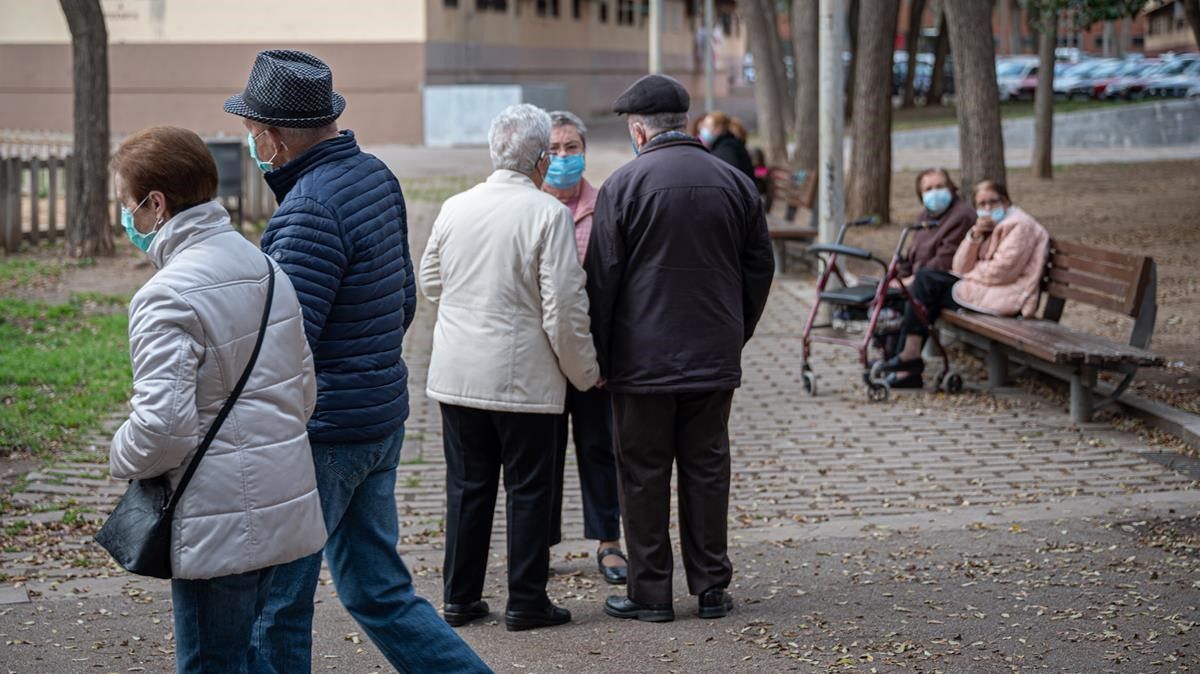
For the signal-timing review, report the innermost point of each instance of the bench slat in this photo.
(1111, 257)
(1082, 295)
(1073, 278)
(1126, 275)
(1051, 341)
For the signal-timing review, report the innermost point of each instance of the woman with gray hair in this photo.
(511, 331)
(588, 413)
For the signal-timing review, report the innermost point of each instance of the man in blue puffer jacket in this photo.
(340, 233)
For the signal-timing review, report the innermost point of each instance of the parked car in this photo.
(1130, 81)
(1027, 90)
(1106, 75)
(1011, 73)
(1075, 81)
(1174, 79)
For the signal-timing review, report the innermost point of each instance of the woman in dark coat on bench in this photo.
(934, 248)
(997, 269)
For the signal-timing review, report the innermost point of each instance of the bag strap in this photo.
(233, 396)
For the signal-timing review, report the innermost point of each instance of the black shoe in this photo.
(895, 364)
(715, 604)
(613, 575)
(516, 621)
(909, 381)
(624, 607)
(458, 615)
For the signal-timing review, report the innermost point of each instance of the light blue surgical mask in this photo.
(707, 136)
(996, 214)
(264, 166)
(565, 172)
(937, 200)
(142, 241)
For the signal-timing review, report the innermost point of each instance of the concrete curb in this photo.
(1165, 418)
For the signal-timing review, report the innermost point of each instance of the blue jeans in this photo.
(214, 619)
(357, 487)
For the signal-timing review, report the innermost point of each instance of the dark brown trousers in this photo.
(690, 430)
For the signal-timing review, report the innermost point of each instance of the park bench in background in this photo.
(1085, 275)
(795, 190)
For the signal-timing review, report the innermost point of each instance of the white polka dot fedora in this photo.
(290, 89)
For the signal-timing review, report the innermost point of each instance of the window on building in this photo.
(493, 5)
(576, 9)
(625, 12)
(450, 3)
(547, 8)
(603, 11)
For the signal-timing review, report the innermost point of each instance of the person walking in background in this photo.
(588, 413)
(717, 131)
(253, 503)
(512, 329)
(340, 233)
(678, 269)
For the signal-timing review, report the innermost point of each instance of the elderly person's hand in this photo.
(990, 209)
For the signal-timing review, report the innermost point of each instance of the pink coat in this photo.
(1002, 274)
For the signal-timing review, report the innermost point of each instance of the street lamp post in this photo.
(708, 54)
(831, 101)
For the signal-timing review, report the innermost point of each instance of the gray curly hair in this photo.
(564, 118)
(519, 137)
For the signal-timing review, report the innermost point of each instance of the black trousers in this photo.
(589, 415)
(690, 430)
(932, 288)
(479, 445)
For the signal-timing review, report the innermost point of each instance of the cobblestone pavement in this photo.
(859, 532)
(797, 459)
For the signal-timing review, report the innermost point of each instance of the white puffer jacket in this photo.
(253, 501)
(512, 323)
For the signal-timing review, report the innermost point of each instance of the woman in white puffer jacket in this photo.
(252, 503)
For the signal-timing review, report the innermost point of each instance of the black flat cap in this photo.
(653, 94)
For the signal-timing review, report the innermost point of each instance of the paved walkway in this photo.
(858, 532)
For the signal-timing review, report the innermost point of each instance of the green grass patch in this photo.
(62, 369)
(23, 272)
(436, 190)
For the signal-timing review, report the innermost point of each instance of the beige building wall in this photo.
(176, 61)
(595, 60)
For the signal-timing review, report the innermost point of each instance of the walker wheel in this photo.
(810, 383)
(954, 383)
(877, 393)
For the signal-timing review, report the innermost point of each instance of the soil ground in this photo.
(1145, 209)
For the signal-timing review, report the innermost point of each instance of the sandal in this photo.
(613, 575)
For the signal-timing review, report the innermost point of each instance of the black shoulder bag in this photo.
(138, 532)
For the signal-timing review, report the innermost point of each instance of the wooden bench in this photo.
(1084, 275)
(783, 187)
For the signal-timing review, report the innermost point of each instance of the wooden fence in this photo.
(34, 199)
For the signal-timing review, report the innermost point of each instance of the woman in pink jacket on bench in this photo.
(997, 270)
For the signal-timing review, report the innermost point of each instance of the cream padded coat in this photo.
(253, 501)
(512, 325)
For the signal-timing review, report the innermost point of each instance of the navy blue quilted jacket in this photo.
(341, 234)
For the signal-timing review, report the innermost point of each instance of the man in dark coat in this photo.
(341, 234)
(679, 267)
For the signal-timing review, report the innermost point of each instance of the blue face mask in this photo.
(937, 200)
(565, 172)
(264, 166)
(142, 241)
(996, 214)
(707, 136)
(633, 143)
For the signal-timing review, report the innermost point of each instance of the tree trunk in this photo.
(912, 41)
(1014, 26)
(88, 230)
(1191, 9)
(768, 99)
(1108, 41)
(1043, 136)
(980, 136)
(805, 17)
(941, 48)
(852, 66)
(870, 183)
(780, 70)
